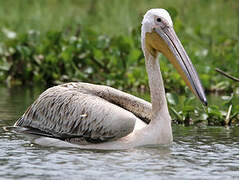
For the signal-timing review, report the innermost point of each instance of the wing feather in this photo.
(70, 112)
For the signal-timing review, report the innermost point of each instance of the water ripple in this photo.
(196, 153)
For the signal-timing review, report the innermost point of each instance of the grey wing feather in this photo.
(67, 111)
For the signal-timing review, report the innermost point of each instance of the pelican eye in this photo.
(158, 20)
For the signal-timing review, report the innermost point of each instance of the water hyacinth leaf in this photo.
(189, 100)
(228, 100)
(8, 33)
(68, 53)
(172, 98)
(222, 85)
(203, 116)
(234, 115)
(98, 54)
(4, 65)
(188, 108)
(214, 111)
(177, 115)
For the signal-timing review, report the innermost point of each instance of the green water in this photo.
(196, 153)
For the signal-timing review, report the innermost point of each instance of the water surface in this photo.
(196, 153)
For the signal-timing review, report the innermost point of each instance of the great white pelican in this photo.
(93, 116)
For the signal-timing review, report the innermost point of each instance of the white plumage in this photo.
(99, 117)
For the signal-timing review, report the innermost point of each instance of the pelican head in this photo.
(158, 35)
